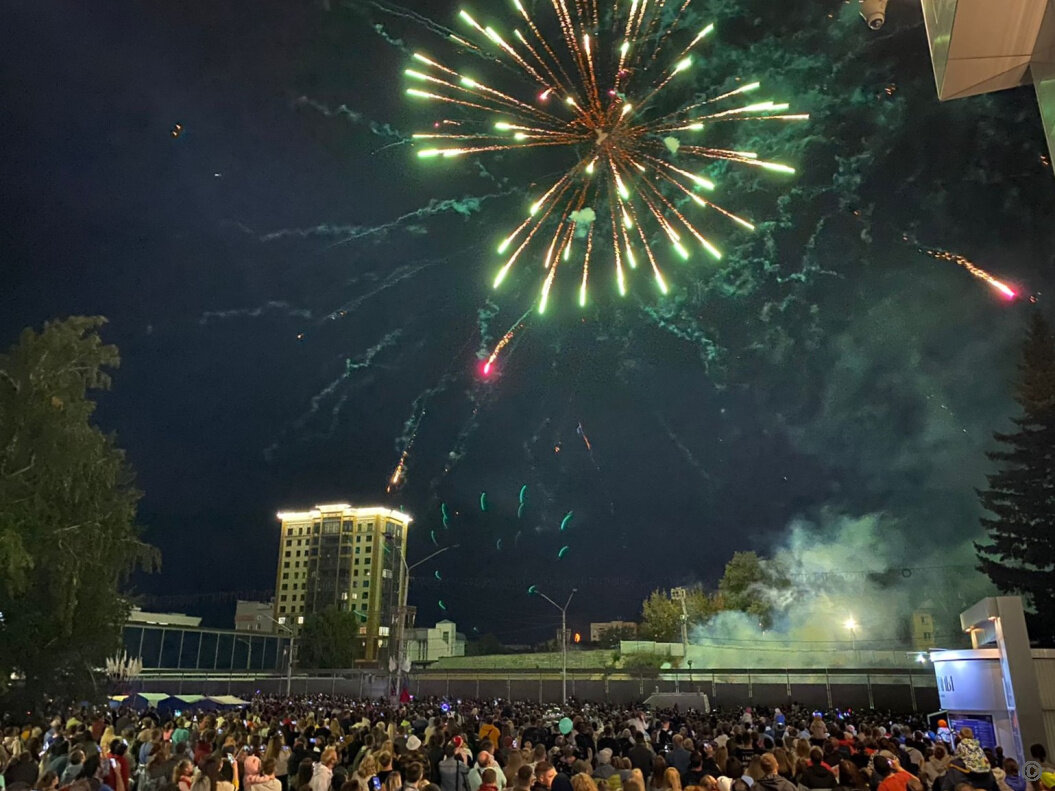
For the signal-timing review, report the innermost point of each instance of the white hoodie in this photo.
(321, 777)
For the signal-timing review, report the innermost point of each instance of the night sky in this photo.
(295, 295)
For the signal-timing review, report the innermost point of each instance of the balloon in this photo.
(565, 725)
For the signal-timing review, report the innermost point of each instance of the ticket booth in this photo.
(992, 688)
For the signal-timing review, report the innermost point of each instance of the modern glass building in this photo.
(979, 46)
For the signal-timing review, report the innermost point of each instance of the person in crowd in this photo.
(73, 769)
(935, 766)
(514, 760)
(851, 777)
(453, 773)
(488, 778)
(970, 751)
(770, 780)
(183, 775)
(484, 760)
(816, 774)
(1012, 779)
(888, 772)
(525, 776)
(679, 757)
(640, 755)
(657, 778)
(672, 779)
(545, 774)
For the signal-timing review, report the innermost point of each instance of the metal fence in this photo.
(898, 690)
(179, 648)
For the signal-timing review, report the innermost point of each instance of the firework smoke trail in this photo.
(267, 307)
(688, 331)
(343, 111)
(405, 442)
(464, 207)
(690, 458)
(505, 340)
(628, 148)
(363, 361)
(419, 407)
(977, 271)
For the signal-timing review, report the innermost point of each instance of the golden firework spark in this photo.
(598, 99)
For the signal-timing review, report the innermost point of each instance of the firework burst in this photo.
(634, 159)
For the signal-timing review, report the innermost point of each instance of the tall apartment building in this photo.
(345, 557)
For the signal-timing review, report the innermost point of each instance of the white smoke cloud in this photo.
(867, 568)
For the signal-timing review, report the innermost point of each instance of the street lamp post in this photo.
(289, 659)
(851, 624)
(402, 612)
(563, 637)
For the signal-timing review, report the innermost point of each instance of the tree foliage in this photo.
(1018, 553)
(485, 645)
(661, 614)
(329, 639)
(68, 537)
(749, 583)
(610, 638)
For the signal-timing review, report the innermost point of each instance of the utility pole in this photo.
(563, 637)
(291, 650)
(678, 595)
(401, 610)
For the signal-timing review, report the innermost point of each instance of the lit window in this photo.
(300, 619)
(344, 595)
(282, 620)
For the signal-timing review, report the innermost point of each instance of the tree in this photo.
(1019, 551)
(748, 583)
(661, 615)
(610, 638)
(329, 639)
(660, 618)
(68, 537)
(485, 645)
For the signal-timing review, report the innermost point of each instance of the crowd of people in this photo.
(338, 744)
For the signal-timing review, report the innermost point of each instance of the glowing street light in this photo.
(851, 624)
